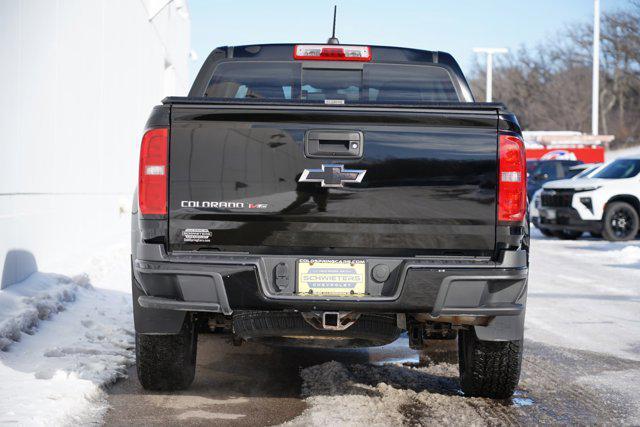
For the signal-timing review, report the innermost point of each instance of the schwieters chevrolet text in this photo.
(331, 195)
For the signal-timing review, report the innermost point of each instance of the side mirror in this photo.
(540, 176)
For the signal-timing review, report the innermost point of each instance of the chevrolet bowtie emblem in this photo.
(332, 175)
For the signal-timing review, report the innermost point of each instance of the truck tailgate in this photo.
(429, 185)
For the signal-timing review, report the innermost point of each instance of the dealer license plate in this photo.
(337, 277)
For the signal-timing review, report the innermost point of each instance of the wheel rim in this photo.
(622, 223)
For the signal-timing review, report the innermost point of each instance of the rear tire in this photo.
(167, 362)
(487, 368)
(620, 222)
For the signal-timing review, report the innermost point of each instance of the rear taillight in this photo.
(152, 179)
(512, 185)
(332, 52)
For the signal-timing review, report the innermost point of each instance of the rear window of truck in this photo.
(374, 83)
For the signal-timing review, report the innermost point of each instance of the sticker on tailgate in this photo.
(197, 235)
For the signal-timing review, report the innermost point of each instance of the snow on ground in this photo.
(63, 338)
(585, 295)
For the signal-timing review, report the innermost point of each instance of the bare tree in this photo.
(549, 86)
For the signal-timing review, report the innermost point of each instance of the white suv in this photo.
(606, 203)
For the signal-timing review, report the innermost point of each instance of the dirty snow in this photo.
(583, 295)
(38, 298)
(391, 394)
(63, 339)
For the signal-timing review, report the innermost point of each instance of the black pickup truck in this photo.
(331, 195)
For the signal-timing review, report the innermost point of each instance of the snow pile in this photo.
(73, 339)
(626, 255)
(390, 394)
(39, 297)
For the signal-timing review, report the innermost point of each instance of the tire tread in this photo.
(167, 362)
(489, 369)
(608, 233)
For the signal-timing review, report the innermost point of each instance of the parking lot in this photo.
(581, 364)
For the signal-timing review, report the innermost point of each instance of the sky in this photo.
(450, 26)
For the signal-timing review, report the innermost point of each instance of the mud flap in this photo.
(505, 328)
(154, 321)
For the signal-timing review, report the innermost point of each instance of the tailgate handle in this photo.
(331, 143)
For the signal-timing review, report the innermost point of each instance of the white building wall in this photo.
(78, 79)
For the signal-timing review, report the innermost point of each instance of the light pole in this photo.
(490, 51)
(595, 90)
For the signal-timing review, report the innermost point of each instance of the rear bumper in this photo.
(566, 219)
(226, 283)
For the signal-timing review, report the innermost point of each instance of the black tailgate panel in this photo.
(429, 187)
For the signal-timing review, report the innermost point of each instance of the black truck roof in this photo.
(284, 52)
